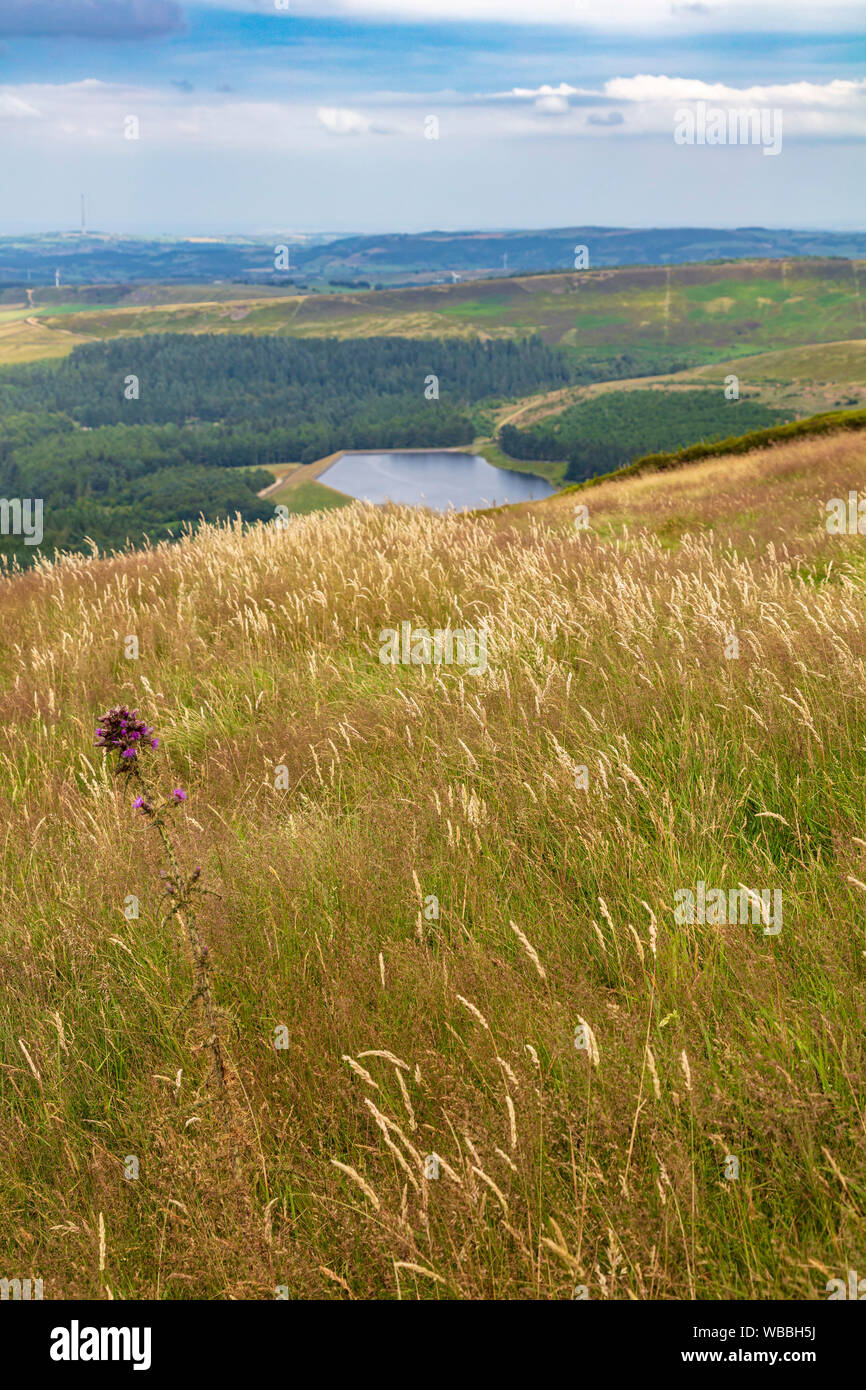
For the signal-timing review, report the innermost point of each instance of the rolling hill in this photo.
(656, 319)
(128, 261)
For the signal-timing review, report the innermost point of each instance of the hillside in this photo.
(807, 379)
(656, 319)
(604, 431)
(447, 918)
(129, 261)
(485, 252)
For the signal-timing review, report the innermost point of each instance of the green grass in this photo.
(332, 798)
(553, 471)
(310, 496)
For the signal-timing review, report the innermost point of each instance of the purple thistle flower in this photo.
(179, 794)
(120, 731)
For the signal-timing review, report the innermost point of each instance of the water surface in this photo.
(437, 478)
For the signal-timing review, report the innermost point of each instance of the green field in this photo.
(684, 315)
(309, 496)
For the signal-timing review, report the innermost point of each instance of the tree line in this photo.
(136, 436)
(606, 431)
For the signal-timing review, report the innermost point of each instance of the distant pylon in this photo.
(57, 277)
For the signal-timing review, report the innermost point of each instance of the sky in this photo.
(231, 117)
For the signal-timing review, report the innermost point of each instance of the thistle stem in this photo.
(199, 954)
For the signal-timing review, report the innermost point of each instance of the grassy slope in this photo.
(808, 379)
(709, 311)
(824, 364)
(24, 341)
(309, 496)
(805, 380)
(607, 650)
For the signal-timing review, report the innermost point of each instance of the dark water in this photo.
(432, 478)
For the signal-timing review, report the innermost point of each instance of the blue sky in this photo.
(253, 118)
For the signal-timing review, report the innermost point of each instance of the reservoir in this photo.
(436, 478)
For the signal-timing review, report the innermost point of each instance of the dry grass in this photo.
(411, 1035)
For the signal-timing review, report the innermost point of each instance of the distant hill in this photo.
(520, 252)
(389, 259)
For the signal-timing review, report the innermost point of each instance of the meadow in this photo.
(446, 923)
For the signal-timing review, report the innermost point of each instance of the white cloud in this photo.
(644, 88)
(831, 110)
(93, 113)
(563, 90)
(552, 106)
(340, 121)
(15, 108)
(834, 109)
(739, 16)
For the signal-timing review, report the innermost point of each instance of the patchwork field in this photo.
(446, 925)
(701, 313)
